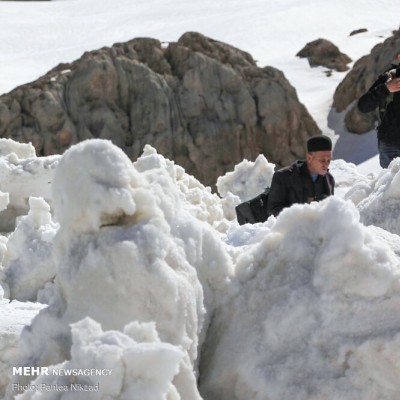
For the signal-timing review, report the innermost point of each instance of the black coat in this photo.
(293, 184)
(389, 109)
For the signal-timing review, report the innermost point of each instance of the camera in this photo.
(394, 72)
(397, 73)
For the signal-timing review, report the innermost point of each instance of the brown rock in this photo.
(322, 52)
(200, 102)
(357, 31)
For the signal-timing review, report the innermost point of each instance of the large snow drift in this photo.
(314, 314)
(126, 250)
(147, 273)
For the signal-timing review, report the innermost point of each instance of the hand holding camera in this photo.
(393, 84)
(393, 78)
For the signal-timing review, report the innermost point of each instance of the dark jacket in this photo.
(293, 184)
(378, 95)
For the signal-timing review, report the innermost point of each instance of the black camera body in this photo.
(397, 72)
(393, 72)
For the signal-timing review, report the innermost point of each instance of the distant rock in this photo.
(322, 52)
(357, 31)
(363, 74)
(200, 102)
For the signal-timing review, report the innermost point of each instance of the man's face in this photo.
(318, 162)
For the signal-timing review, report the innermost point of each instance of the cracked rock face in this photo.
(202, 103)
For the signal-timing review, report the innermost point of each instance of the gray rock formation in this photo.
(322, 52)
(359, 80)
(358, 31)
(200, 102)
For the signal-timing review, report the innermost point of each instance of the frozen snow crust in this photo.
(147, 273)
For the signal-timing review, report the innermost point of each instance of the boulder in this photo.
(200, 102)
(322, 52)
(357, 31)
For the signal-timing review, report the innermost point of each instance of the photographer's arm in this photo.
(374, 97)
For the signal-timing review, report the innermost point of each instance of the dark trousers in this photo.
(387, 152)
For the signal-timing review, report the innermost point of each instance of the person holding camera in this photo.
(303, 181)
(384, 93)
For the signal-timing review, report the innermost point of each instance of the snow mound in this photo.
(22, 175)
(28, 262)
(314, 314)
(380, 205)
(198, 199)
(247, 180)
(134, 365)
(127, 249)
(13, 317)
(93, 186)
(19, 150)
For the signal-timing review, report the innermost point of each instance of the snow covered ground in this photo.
(136, 282)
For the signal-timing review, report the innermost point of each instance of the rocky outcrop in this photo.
(322, 52)
(358, 31)
(200, 102)
(359, 80)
